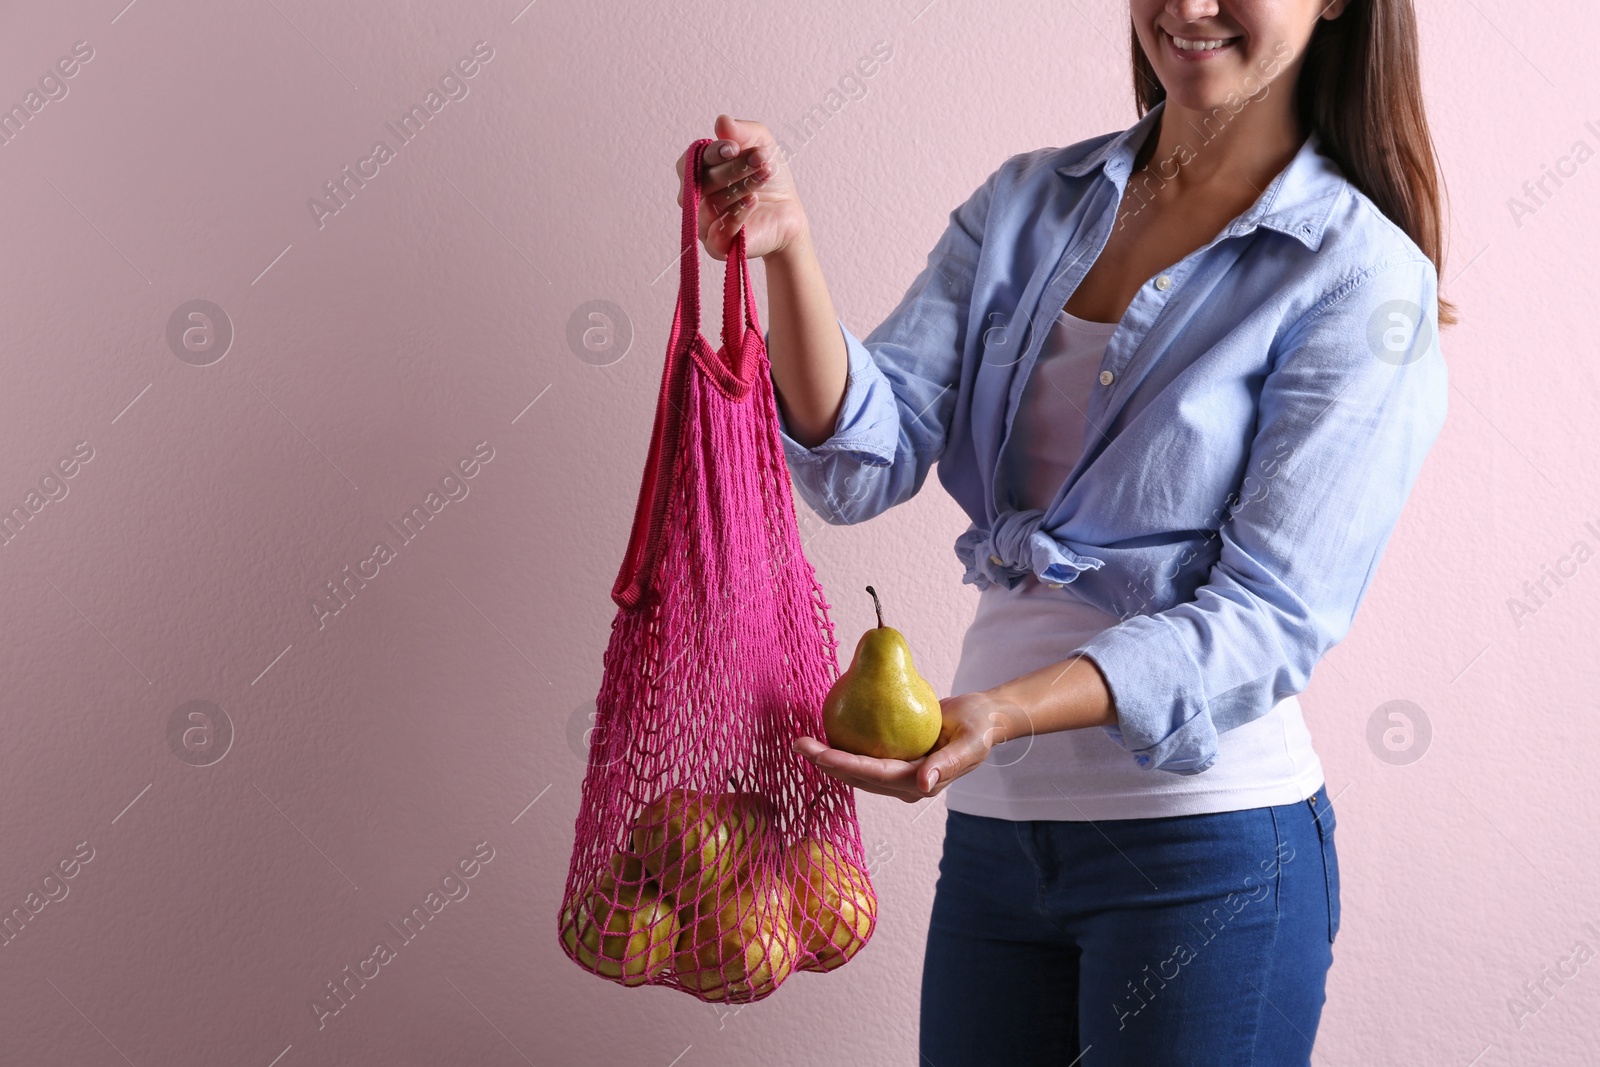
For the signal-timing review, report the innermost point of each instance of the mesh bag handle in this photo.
(632, 586)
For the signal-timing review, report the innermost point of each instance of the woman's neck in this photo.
(1195, 150)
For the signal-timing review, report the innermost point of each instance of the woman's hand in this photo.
(745, 184)
(973, 724)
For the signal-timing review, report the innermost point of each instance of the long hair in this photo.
(1360, 89)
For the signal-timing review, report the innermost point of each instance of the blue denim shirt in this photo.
(1261, 414)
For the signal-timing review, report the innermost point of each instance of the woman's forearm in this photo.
(809, 363)
(1067, 695)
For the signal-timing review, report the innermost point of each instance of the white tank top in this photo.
(1083, 775)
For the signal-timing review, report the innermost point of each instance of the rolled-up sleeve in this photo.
(1352, 402)
(903, 380)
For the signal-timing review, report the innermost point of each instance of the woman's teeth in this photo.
(1190, 44)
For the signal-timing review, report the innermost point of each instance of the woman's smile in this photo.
(1196, 49)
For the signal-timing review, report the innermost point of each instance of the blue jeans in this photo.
(1189, 939)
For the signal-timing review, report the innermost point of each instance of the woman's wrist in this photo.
(1068, 695)
(792, 252)
(1012, 720)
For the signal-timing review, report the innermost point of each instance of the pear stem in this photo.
(876, 606)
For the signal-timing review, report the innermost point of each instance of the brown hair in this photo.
(1360, 90)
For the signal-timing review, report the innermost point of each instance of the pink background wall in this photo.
(343, 766)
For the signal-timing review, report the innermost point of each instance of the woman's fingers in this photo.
(722, 169)
(883, 770)
(726, 207)
(888, 777)
(743, 135)
(869, 767)
(726, 180)
(964, 751)
(904, 792)
(738, 176)
(907, 795)
(809, 747)
(750, 191)
(732, 219)
(735, 195)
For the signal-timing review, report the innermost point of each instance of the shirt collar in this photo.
(1298, 202)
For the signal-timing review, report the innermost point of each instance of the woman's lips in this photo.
(1208, 47)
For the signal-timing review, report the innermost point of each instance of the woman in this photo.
(1182, 379)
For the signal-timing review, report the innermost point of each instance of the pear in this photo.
(624, 929)
(750, 817)
(687, 842)
(740, 944)
(881, 706)
(834, 905)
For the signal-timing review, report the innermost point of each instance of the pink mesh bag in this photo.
(707, 855)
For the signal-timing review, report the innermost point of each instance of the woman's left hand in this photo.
(973, 724)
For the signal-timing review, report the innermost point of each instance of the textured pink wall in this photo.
(412, 350)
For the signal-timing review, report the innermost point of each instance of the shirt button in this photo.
(996, 560)
(1164, 282)
(1106, 377)
(1144, 761)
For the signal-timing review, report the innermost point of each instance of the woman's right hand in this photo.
(751, 188)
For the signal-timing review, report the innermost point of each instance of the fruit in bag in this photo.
(685, 842)
(740, 944)
(625, 928)
(692, 842)
(834, 905)
(750, 817)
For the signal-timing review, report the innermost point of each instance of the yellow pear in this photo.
(748, 816)
(741, 944)
(881, 706)
(834, 905)
(686, 842)
(624, 929)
